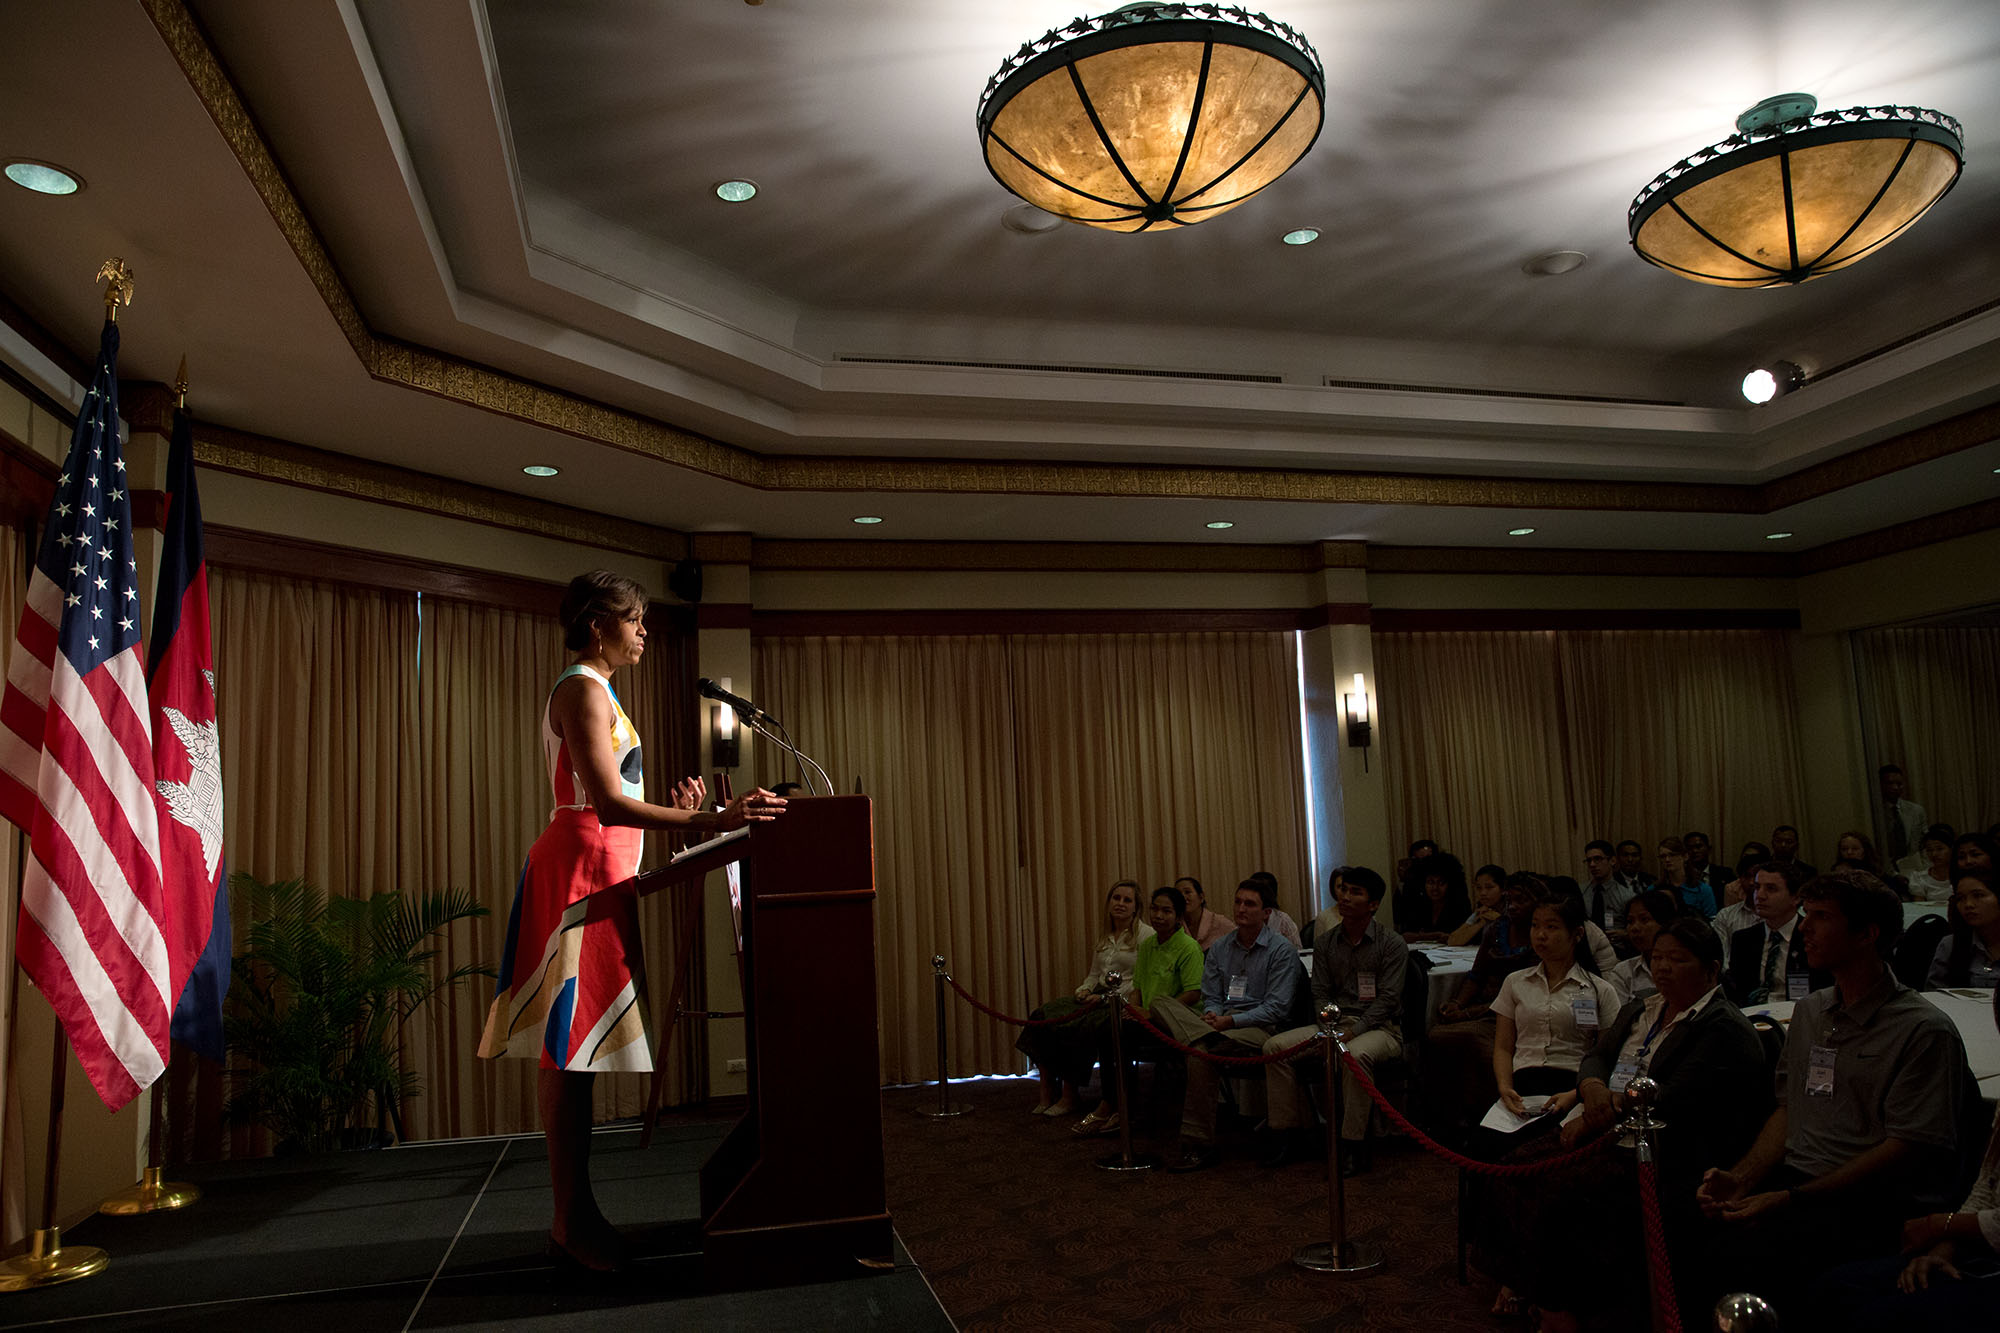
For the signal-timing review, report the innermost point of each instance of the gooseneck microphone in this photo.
(745, 710)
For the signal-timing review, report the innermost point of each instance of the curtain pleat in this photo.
(1930, 703)
(1519, 746)
(1015, 778)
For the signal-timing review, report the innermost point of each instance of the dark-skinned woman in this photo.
(572, 976)
(1713, 1093)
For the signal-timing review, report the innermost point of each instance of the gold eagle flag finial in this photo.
(119, 293)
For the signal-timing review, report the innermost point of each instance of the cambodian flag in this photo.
(187, 759)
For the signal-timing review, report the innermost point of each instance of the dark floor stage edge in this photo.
(445, 1235)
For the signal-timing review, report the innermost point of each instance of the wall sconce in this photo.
(725, 743)
(1359, 729)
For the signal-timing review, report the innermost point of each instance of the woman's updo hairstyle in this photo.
(598, 595)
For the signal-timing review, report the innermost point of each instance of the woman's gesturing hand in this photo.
(689, 793)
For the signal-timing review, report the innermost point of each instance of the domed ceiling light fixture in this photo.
(1793, 195)
(1153, 116)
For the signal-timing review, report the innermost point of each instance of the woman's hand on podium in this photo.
(756, 806)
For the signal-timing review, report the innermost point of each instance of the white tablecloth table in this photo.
(1449, 964)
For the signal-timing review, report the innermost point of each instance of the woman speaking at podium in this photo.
(572, 977)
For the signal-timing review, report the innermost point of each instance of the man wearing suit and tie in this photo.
(1767, 961)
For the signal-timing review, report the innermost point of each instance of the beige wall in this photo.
(1955, 575)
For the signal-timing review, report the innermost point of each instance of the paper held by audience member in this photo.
(1498, 1117)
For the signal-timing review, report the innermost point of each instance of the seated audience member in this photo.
(1785, 847)
(1604, 895)
(1700, 867)
(1329, 917)
(1548, 1018)
(1948, 1278)
(1421, 848)
(1628, 861)
(1598, 954)
(1359, 965)
(1281, 920)
(1691, 892)
(1432, 902)
(1854, 851)
(1458, 1049)
(1970, 955)
(1207, 927)
(1903, 820)
(1247, 985)
(1933, 884)
(1865, 1133)
(1063, 1054)
(1712, 1092)
(1549, 1015)
(1769, 958)
(1974, 853)
(1168, 964)
(1645, 917)
(1739, 898)
(1488, 882)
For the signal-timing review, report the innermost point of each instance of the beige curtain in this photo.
(1014, 779)
(1930, 703)
(1519, 746)
(1672, 730)
(1471, 746)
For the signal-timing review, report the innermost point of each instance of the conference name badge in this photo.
(1798, 985)
(1239, 986)
(1622, 1076)
(1819, 1072)
(1367, 985)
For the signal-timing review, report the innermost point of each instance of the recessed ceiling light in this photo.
(1776, 536)
(736, 192)
(540, 470)
(1519, 532)
(866, 519)
(1301, 236)
(1555, 263)
(1029, 220)
(43, 177)
(1220, 524)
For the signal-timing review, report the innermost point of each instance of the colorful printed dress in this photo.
(573, 978)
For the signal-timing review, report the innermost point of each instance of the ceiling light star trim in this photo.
(1793, 195)
(1154, 116)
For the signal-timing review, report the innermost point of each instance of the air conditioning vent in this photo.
(1068, 370)
(1332, 383)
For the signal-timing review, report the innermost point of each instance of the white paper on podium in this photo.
(704, 848)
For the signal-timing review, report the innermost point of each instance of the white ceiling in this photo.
(526, 184)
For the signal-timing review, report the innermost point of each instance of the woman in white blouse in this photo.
(1933, 883)
(1645, 916)
(1549, 1015)
(1064, 1054)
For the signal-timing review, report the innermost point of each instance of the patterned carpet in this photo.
(1017, 1229)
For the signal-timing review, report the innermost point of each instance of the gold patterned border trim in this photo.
(1491, 560)
(401, 363)
(1042, 557)
(1966, 521)
(227, 450)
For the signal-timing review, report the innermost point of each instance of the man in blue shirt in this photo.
(1248, 981)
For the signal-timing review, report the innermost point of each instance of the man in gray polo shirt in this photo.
(1870, 1090)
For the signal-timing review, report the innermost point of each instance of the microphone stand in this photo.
(769, 728)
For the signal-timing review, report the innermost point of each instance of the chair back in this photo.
(1911, 961)
(1773, 1036)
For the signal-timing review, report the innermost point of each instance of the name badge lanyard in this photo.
(1628, 1070)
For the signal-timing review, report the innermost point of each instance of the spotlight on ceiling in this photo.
(1767, 382)
(1220, 525)
(867, 520)
(1793, 195)
(1154, 116)
(1776, 536)
(43, 177)
(540, 470)
(1520, 532)
(1300, 236)
(736, 192)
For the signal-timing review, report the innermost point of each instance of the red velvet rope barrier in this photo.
(990, 1012)
(1664, 1300)
(1458, 1159)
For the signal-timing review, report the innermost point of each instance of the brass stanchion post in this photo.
(48, 1261)
(945, 1108)
(1337, 1255)
(1741, 1312)
(1122, 1160)
(152, 1194)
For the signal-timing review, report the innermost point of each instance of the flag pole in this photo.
(48, 1261)
(154, 1193)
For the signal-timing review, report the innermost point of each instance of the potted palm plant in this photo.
(318, 1003)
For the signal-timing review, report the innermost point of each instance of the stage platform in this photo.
(445, 1235)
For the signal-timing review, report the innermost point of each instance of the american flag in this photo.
(76, 768)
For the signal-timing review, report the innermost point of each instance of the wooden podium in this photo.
(795, 1193)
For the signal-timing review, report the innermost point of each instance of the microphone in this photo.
(749, 712)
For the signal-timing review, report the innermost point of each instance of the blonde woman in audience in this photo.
(1065, 1053)
(1645, 917)
(1932, 884)
(1970, 955)
(1487, 886)
(1855, 850)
